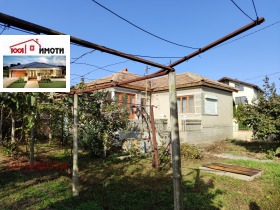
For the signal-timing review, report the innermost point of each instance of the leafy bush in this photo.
(190, 152)
(99, 121)
(263, 114)
(271, 154)
(45, 80)
(20, 80)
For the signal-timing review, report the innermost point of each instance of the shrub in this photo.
(45, 80)
(20, 80)
(263, 114)
(190, 152)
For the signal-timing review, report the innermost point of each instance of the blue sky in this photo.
(194, 23)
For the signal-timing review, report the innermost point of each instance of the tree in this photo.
(99, 120)
(263, 115)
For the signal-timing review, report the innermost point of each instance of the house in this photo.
(246, 91)
(34, 69)
(204, 105)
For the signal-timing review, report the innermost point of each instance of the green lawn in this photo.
(53, 84)
(110, 183)
(17, 85)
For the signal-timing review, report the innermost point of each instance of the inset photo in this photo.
(34, 72)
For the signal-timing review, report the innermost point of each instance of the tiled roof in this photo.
(121, 76)
(224, 79)
(187, 79)
(34, 65)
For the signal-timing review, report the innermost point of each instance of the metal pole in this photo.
(175, 142)
(75, 178)
(154, 136)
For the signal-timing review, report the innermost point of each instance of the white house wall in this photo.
(249, 92)
(162, 110)
(213, 127)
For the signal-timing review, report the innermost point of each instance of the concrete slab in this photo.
(230, 174)
(238, 157)
(31, 84)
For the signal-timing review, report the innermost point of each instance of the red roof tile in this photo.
(186, 79)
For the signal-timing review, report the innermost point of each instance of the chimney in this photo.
(124, 70)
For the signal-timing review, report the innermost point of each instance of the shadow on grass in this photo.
(110, 183)
(126, 187)
(257, 146)
(254, 206)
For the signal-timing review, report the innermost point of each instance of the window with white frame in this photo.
(240, 100)
(210, 105)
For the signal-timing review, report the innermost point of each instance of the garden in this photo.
(37, 167)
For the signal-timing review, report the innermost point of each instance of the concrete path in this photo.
(31, 84)
(238, 157)
(8, 81)
(58, 79)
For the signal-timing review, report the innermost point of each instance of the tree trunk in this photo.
(31, 161)
(13, 129)
(62, 130)
(75, 177)
(50, 132)
(1, 123)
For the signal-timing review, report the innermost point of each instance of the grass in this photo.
(133, 184)
(17, 85)
(53, 84)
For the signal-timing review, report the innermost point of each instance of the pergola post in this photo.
(175, 143)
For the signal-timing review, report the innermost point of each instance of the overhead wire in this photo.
(140, 28)
(148, 56)
(255, 9)
(113, 64)
(82, 56)
(241, 10)
(262, 76)
(4, 28)
(99, 68)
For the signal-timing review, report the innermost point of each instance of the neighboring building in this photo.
(246, 91)
(204, 105)
(32, 70)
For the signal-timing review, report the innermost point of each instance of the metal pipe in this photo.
(19, 23)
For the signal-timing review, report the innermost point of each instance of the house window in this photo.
(32, 47)
(210, 105)
(185, 104)
(241, 99)
(239, 87)
(143, 101)
(126, 99)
